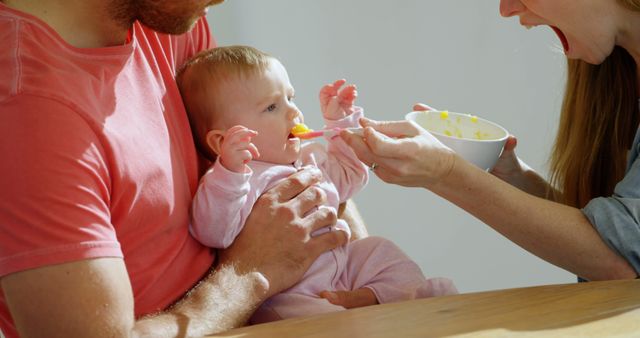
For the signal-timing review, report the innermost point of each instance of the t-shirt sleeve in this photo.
(617, 218)
(54, 187)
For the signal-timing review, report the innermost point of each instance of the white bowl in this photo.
(476, 140)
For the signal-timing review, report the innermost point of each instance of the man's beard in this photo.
(176, 17)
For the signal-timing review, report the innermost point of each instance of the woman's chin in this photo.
(591, 57)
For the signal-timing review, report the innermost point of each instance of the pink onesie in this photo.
(224, 200)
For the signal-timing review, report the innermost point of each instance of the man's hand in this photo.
(350, 214)
(237, 149)
(276, 239)
(337, 102)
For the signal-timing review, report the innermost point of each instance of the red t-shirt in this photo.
(96, 157)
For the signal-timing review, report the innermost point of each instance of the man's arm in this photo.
(93, 298)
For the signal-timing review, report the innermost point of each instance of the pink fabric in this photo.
(224, 200)
(97, 157)
(373, 262)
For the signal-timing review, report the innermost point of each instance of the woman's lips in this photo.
(562, 37)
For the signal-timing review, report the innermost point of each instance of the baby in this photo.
(241, 109)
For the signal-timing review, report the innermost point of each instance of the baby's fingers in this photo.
(330, 90)
(245, 155)
(348, 94)
(239, 134)
(338, 83)
(253, 150)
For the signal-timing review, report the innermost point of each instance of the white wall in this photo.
(458, 55)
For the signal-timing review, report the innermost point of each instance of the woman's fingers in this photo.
(422, 107)
(395, 129)
(380, 144)
(357, 143)
(379, 138)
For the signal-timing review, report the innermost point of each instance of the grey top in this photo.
(617, 218)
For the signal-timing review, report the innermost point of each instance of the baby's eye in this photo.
(271, 107)
(290, 98)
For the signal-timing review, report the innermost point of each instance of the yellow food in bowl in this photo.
(465, 126)
(476, 140)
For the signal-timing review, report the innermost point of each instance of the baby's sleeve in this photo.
(343, 167)
(218, 211)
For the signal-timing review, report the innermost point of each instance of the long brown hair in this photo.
(598, 121)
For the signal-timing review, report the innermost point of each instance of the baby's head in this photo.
(239, 85)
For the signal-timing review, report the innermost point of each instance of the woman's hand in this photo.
(401, 152)
(508, 168)
(514, 171)
(276, 240)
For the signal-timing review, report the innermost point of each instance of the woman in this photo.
(587, 219)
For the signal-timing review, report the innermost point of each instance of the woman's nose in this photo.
(510, 8)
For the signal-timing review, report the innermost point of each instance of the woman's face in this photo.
(587, 28)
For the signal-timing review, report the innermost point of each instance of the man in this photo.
(97, 173)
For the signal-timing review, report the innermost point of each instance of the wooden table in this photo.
(596, 309)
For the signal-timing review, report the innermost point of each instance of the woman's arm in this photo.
(513, 170)
(555, 232)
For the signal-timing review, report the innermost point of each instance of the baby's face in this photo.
(264, 103)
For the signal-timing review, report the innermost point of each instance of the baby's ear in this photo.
(214, 139)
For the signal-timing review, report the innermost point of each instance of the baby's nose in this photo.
(295, 114)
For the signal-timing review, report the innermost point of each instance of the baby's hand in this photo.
(237, 149)
(337, 102)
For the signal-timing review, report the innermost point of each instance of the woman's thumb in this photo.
(510, 144)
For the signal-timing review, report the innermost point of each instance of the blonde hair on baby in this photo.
(201, 77)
